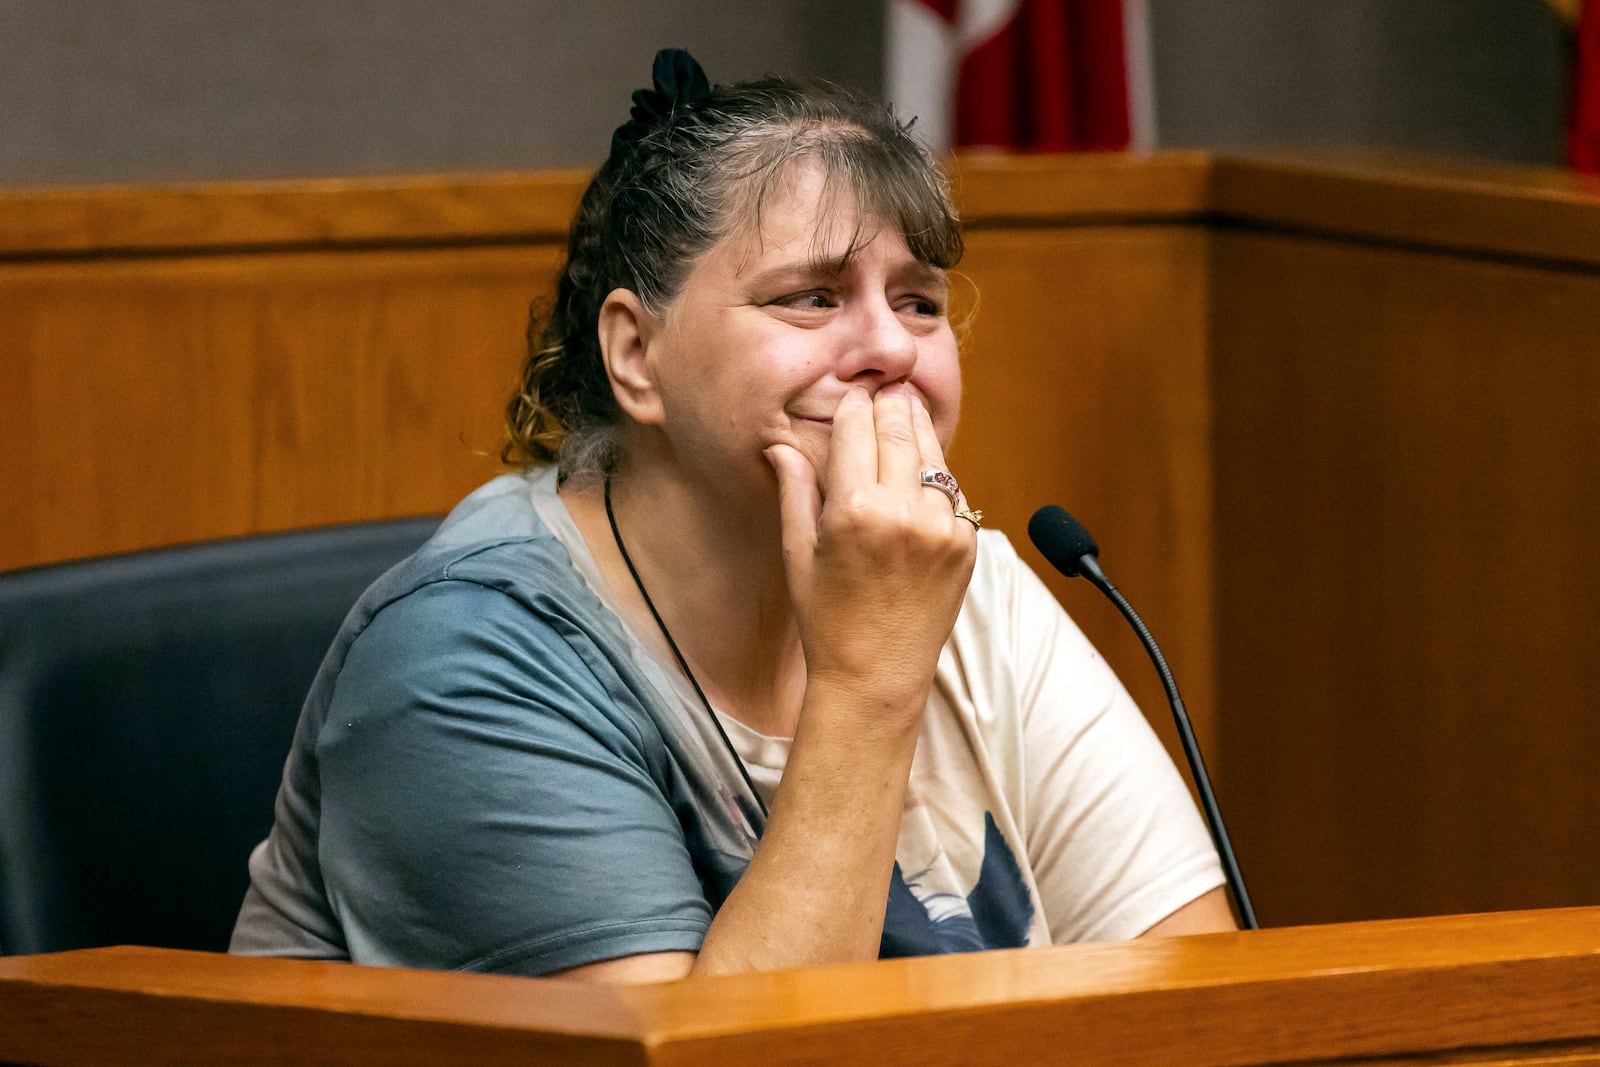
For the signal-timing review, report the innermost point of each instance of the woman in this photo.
(727, 665)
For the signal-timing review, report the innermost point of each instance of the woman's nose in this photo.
(880, 348)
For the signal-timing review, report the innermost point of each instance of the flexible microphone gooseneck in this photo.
(1067, 545)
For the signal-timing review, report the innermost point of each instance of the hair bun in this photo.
(679, 81)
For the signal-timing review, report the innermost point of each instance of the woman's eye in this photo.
(923, 305)
(814, 298)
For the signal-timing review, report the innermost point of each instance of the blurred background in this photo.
(95, 91)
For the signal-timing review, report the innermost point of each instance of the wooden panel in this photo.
(1514, 989)
(1086, 384)
(1408, 484)
(162, 397)
(462, 208)
(1443, 204)
(994, 189)
(323, 212)
(175, 399)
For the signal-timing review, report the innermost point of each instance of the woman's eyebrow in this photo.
(926, 274)
(801, 272)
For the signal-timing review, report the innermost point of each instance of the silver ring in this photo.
(943, 481)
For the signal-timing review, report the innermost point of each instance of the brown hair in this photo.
(663, 198)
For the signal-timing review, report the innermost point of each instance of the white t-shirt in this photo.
(1028, 733)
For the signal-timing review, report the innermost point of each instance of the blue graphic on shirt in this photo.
(998, 912)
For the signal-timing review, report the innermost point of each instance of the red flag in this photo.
(1040, 75)
(1054, 79)
(1583, 121)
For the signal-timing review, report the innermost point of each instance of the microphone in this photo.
(1063, 541)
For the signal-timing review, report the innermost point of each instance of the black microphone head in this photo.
(1061, 539)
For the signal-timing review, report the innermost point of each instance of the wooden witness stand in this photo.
(1511, 988)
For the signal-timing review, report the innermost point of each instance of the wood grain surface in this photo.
(1086, 385)
(1408, 508)
(135, 220)
(178, 399)
(1472, 208)
(997, 190)
(1518, 988)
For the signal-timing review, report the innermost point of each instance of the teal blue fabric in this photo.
(483, 778)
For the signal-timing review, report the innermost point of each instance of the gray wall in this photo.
(147, 90)
(1454, 77)
(141, 90)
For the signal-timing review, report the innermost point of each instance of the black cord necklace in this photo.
(683, 664)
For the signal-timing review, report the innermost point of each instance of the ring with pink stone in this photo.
(944, 481)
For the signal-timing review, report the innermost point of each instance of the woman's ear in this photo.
(627, 329)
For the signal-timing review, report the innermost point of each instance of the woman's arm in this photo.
(816, 888)
(1206, 914)
(488, 793)
(878, 566)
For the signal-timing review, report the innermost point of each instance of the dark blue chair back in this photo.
(147, 702)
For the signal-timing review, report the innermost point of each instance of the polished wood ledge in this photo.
(1520, 987)
(1462, 205)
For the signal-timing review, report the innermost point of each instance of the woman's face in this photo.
(771, 328)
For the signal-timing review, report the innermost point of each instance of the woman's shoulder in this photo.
(492, 597)
(494, 538)
(492, 558)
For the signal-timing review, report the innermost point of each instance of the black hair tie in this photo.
(679, 82)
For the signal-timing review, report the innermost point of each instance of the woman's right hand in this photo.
(877, 562)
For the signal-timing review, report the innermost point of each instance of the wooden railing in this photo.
(1520, 988)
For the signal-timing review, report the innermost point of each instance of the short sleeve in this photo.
(493, 799)
(1115, 840)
